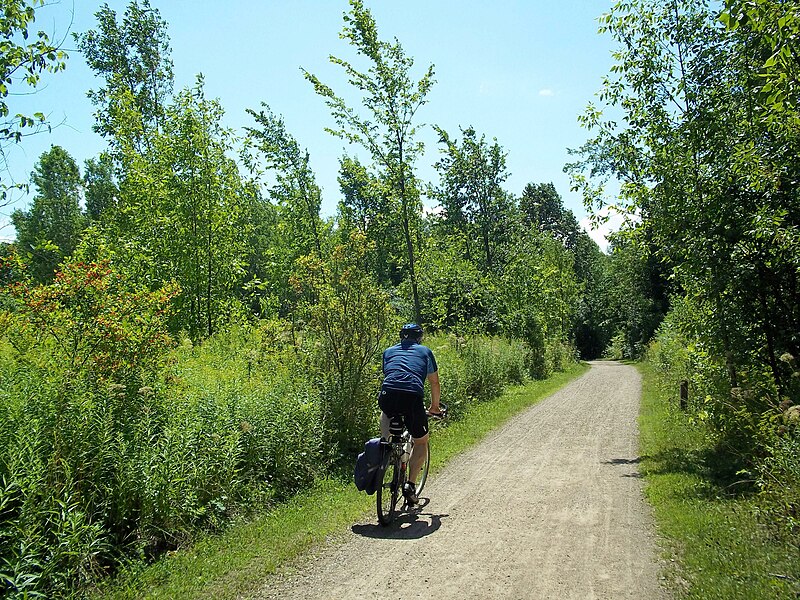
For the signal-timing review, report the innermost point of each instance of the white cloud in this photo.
(600, 233)
(432, 210)
(547, 92)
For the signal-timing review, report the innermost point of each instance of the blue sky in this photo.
(519, 71)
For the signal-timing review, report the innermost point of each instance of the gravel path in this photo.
(548, 506)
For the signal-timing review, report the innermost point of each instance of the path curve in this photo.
(548, 506)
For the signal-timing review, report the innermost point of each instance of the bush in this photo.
(350, 320)
(477, 369)
(779, 480)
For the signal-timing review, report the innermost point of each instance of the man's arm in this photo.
(436, 391)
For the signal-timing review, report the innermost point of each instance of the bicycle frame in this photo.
(393, 472)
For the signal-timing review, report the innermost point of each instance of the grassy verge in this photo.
(236, 563)
(706, 515)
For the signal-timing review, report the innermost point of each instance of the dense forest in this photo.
(185, 339)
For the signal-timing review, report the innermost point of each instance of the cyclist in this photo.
(406, 366)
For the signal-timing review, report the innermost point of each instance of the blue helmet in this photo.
(411, 330)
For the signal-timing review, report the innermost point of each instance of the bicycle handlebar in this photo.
(441, 414)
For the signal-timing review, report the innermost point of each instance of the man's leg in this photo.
(385, 425)
(418, 455)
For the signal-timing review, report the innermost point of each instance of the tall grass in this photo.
(95, 473)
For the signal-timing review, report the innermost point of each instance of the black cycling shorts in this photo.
(410, 406)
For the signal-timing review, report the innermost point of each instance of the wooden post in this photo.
(684, 394)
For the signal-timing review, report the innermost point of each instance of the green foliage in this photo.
(388, 132)
(296, 190)
(179, 215)
(476, 368)
(369, 207)
(708, 513)
(538, 294)
(22, 64)
(779, 480)
(76, 361)
(96, 471)
(455, 294)
(100, 187)
(49, 231)
(543, 209)
(132, 56)
(710, 183)
(352, 319)
(93, 325)
(592, 326)
(474, 205)
(776, 25)
(744, 422)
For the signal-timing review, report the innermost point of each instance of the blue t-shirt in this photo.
(406, 365)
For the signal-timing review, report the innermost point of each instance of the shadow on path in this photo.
(412, 524)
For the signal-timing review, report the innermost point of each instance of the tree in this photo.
(539, 294)
(366, 206)
(470, 193)
(710, 178)
(100, 188)
(392, 100)
(191, 216)
(22, 64)
(352, 318)
(542, 208)
(133, 57)
(50, 230)
(296, 190)
(776, 25)
(592, 328)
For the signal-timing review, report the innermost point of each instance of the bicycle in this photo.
(393, 471)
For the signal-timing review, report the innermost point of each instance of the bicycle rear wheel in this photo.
(389, 489)
(423, 473)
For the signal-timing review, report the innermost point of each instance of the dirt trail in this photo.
(548, 506)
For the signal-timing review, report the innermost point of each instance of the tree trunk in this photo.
(409, 241)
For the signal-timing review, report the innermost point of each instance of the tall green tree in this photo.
(388, 128)
(50, 230)
(100, 189)
(542, 208)
(194, 211)
(539, 295)
(593, 326)
(366, 206)
(712, 183)
(471, 195)
(275, 151)
(132, 57)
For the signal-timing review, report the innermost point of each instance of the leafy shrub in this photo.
(454, 294)
(350, 319)
(779, 480)
(476, 369)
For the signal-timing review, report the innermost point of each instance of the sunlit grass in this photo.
(706, 514)
(238, 562)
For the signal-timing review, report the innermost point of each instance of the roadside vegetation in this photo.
(186, 343)
(724, 530)
(237, 563)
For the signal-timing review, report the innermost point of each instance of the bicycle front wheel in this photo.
(388, 491)
(423, 473)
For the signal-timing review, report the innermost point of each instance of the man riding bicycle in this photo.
(406, 366)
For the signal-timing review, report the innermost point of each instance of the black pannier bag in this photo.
(367, 464)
